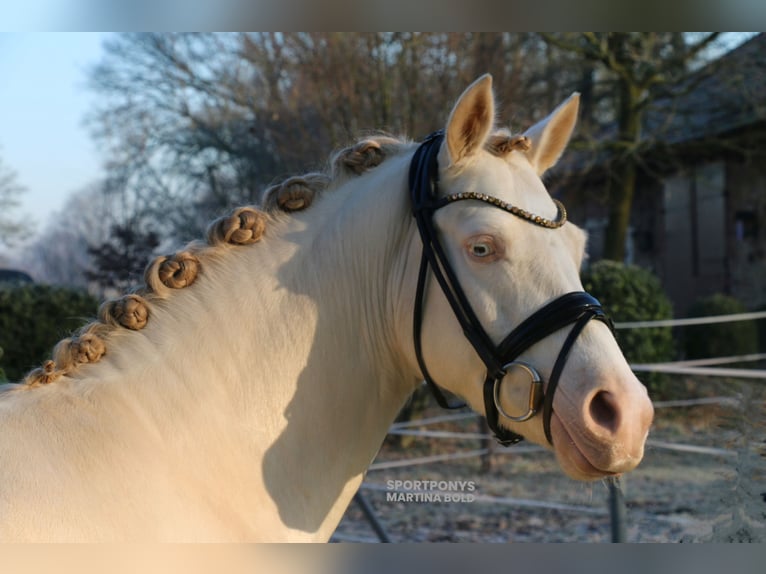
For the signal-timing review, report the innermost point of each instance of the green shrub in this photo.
(630, 293)
(2, 373)
(719, 339)
(33, 318)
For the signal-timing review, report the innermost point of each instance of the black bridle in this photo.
(576, 308)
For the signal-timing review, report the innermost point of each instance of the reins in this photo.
(576, 308)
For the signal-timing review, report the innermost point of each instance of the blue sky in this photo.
(43, 99)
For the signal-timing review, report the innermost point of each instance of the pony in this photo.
(242, 392)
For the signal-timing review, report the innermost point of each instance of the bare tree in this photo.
(10, 191)
(624, 74)
(118, 262)
(182, 126)
(59, 255)
(193, 123)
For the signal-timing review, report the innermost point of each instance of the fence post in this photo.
(372, 518)
(617, 510)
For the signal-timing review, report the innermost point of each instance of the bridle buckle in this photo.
(535, 391)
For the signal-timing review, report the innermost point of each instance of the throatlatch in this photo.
(576, 308)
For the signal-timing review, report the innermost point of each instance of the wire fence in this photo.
(699, 368)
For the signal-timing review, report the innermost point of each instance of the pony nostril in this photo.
(604, 412)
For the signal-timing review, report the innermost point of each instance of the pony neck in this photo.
(281, 365)
(267, 386)
(352, 384)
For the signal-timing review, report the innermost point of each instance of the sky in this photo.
(43, 100)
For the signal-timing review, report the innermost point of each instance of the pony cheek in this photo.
(450, 359)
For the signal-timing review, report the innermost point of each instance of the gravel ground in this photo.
(716, 495)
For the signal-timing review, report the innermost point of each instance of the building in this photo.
(699, 212)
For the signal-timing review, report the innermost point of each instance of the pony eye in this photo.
(482, 247)
(481, 250)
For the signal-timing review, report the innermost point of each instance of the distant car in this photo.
(14, 277)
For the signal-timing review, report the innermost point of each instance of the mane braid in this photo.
(168, 273)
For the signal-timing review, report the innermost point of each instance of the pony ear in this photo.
(471, 120)
(549, 137)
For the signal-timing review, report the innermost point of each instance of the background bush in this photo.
(631, 293)
(2, 373)
(33, 318)
(719, 339)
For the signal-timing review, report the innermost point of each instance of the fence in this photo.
(710, 367)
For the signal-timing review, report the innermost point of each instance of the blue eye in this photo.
(484, 248)
(481, 250)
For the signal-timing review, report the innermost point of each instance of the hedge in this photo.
(33, 318)
(631, 293)
(719, 339)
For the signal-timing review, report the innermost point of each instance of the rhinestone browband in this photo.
(560, 220)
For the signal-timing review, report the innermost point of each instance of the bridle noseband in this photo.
(576, 308)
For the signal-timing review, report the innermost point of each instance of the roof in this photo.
(723, 96)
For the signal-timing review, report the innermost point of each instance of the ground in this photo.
(716, 493)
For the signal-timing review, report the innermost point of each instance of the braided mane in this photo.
(243, 226)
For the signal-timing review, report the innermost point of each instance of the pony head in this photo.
(511, 252)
